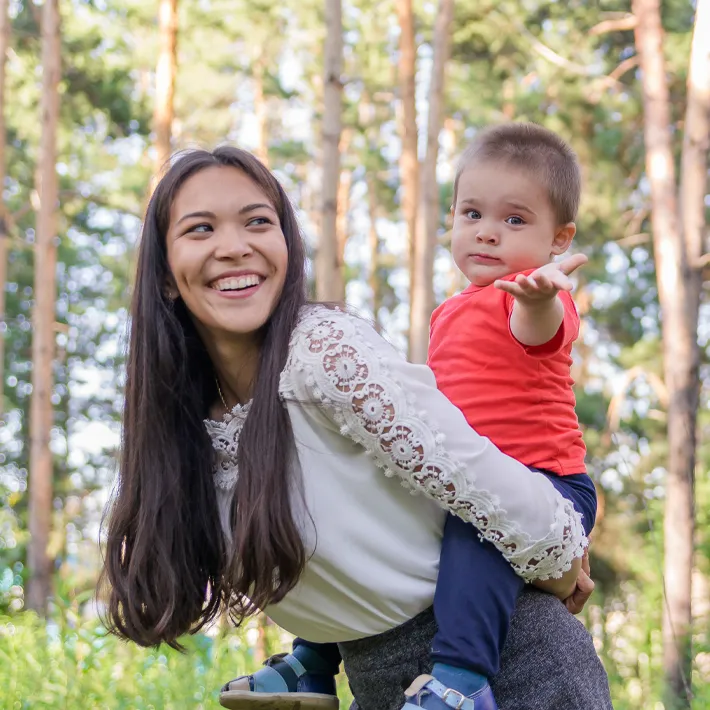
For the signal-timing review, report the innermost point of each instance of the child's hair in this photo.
(534, 149)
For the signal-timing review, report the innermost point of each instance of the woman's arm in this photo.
(394, 410)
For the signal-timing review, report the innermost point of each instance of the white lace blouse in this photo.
(372, 429)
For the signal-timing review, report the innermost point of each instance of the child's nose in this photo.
(485, 236)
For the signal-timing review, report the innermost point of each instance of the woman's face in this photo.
(226, 252)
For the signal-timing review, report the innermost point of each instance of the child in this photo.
(500, 351)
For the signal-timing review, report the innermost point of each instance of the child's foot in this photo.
(283, 684)
(427, 692)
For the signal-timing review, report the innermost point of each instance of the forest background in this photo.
(361, 108)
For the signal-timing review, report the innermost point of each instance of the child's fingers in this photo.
(522, 288)
(509, 287)
(542, 285)
(560, 282)
(532, 288)
(542, 281)
(571, 263)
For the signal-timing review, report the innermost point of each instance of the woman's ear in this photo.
(170, 290)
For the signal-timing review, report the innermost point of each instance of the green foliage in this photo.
(71, 661)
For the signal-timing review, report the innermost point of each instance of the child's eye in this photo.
(515, 220)
(473, 214)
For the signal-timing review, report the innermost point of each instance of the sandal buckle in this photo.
(461, 698)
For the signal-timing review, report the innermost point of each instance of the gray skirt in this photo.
(548, 662)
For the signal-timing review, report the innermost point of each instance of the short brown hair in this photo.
(532, 148)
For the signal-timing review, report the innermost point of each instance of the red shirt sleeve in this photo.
(565, 335)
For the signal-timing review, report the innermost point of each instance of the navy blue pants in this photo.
(477, 590)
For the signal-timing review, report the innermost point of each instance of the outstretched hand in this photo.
(544, 283)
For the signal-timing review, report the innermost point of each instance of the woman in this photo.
(229, 369)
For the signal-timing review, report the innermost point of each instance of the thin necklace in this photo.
(219, 389)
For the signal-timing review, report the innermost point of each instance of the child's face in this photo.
(503, 223)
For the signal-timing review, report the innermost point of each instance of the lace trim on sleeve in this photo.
(333, 361)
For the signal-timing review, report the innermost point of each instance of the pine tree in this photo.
(43, 319)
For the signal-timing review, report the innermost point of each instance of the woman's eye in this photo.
(258, 222)
(515, 220)
(200, 229)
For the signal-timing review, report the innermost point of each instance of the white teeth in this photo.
(237, 283)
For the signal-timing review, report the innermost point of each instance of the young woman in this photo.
(270, 446)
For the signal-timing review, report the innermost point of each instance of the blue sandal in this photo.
(427, 692)
(283, 684)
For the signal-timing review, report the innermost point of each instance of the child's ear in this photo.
(563, 238)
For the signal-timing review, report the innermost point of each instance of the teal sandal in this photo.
(283, 684)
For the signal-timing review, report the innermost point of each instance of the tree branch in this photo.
(633, 240)
(627, 65)
(68, 194)
(605, 81)
(618, 24)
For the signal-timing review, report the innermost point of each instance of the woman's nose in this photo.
(233, 243)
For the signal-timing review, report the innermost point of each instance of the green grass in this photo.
(75, 664)
(71, 663)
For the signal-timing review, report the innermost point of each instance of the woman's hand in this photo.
(585, 586)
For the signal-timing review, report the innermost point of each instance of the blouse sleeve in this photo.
(365, 389)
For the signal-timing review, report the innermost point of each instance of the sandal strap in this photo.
(280, 674)
(277, 662)
(427, 692)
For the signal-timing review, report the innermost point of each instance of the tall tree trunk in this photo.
(261, 110)
(422, 289)
(4, 45)
(693, 188)
(409, 156)
(678, 290)
(330, 285)
(40, 484)
(374, 243)
(694, 160)
(344, 188)
(165, 73)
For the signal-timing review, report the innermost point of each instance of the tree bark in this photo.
(261, 111)
(165, 73)
(4, 45)
(344, 189)
(40, 484)
(696, 144)
(374, 243)
(422, 289)
(409, 156)
(678, 277)
(330, 284)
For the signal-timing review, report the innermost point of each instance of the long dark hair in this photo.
(167, 567)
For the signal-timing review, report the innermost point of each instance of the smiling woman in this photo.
(195, 351)
(228, 260)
